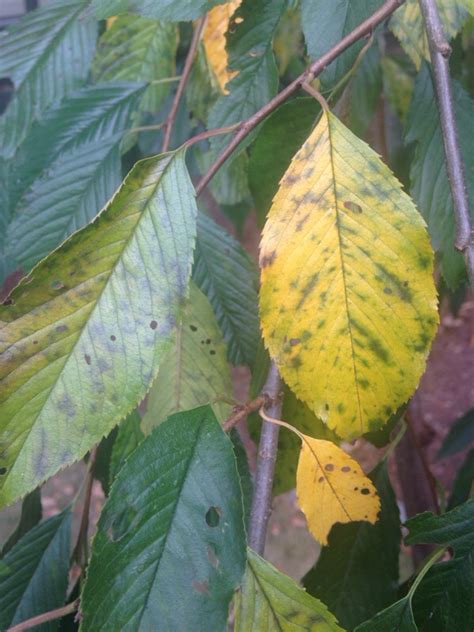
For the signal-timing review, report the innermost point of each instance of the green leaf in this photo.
(357, 574)
(194, 371)
(429, 180)
(324, 23)
(459, 437)
(229, 279)
(463, 483)
(83, 337)
(168, 10)
(35, 575)
(396, 618)
(269, 600)
(129, 436)
(170, 545)
(279, 138)
(138, 49)
(365, 89)
(46, 55)
(67, 168)
(31, 514)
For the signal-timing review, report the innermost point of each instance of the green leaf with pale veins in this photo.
(129, 436)
(429, 179)
(138, 49)
(170, 545)
(269, 600)
(229, 279)
(167, 10)
(325, 22)
(356, 575)
(82, 338)
(194, 371)
(34, 576)
(66, 169)
(46, 55)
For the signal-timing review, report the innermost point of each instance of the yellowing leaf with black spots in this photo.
(347, 301)
(331, 487)
(82, 338)
(214, 41)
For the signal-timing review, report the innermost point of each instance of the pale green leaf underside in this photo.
(194, 371)
(83, 337)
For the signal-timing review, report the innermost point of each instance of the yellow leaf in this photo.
(347, 301)
(331, 487)
(215, 43)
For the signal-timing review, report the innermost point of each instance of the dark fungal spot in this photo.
(203, 341)
(364, 491)
(87, 358)
(321, 323)
(193, 327)
(424, 261)
(61, 328)
(329, 467)
(8, 301)
(305, 335)
(387, 290)
(213, 516)
(153, 324)
(320, 479)
(3, 470)
(113, 338)
(345, 468)
(35, 342)
(294, 341)
(296, 362)
(352, 206)
(208, 341)
(212, 352)
(267, 260)
(341, 408)
(356, 488)
(302, 222)
(57, 285)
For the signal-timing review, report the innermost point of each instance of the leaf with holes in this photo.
(46, 55)
(269, 600)
(331, 487)
(347, 302)
(214, 41)
(82, 338)
(194, 372)
(170, 545)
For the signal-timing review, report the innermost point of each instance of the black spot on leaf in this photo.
(213, 516)
(87, 358)
(365, 491)
(345, 468)
(329, 467)
(153, 324)
(3, 470)
(352, 206)
(192, 327)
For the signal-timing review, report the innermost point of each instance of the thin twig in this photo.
(45, 617)
(365, 28)
(183, 81)
(243, 410)
(211, 132)
(266, 458)
(439, 53)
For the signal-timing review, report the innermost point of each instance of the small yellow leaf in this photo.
(331, 487)
(215, 42)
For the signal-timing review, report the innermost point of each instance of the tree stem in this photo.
(45, 617)
(439, 53)
(183, 81)
(266, 458)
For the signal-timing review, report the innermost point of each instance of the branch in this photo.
(439, 53)
(45, 617)
(183, 81)
(364, 29)
(266, 458)
(243, 410)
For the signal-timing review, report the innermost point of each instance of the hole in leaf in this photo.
(57, 285)
(113, 338)
(3, 470)
(153, 324)
(213, 516)
(365, 491)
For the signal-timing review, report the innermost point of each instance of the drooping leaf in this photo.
(214, 40)
(463, 486)
(397, 618)
(35, 574)
(365, 89)
(280, 136)
(347, 301)
(228, 277)
(459, 437)
(356, 575)
(129, 436)
(138, 49)
(325, 23)
(331, 487)
(269, 600)
(194, 371)
(429, 179)
(166, 10)
(31, 514)
(83, 336)
(170, 545)
(46, 55)
(408, 26)
(66, 169)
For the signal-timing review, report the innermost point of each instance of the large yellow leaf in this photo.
(331, 487)
(215, 42)
(348, 303)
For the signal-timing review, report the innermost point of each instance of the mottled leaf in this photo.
(138, 49)
(408, 26)
(35, 574)
(194, 371)
(331, 487)
(214, 41)
(460, 435)
(46, 55)
(356, 575)
(269, 600)
(228, 277)
(170, 546)
(429, 179)
(324, 23)
(167, 10)
(83, 336)
(347, 302)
